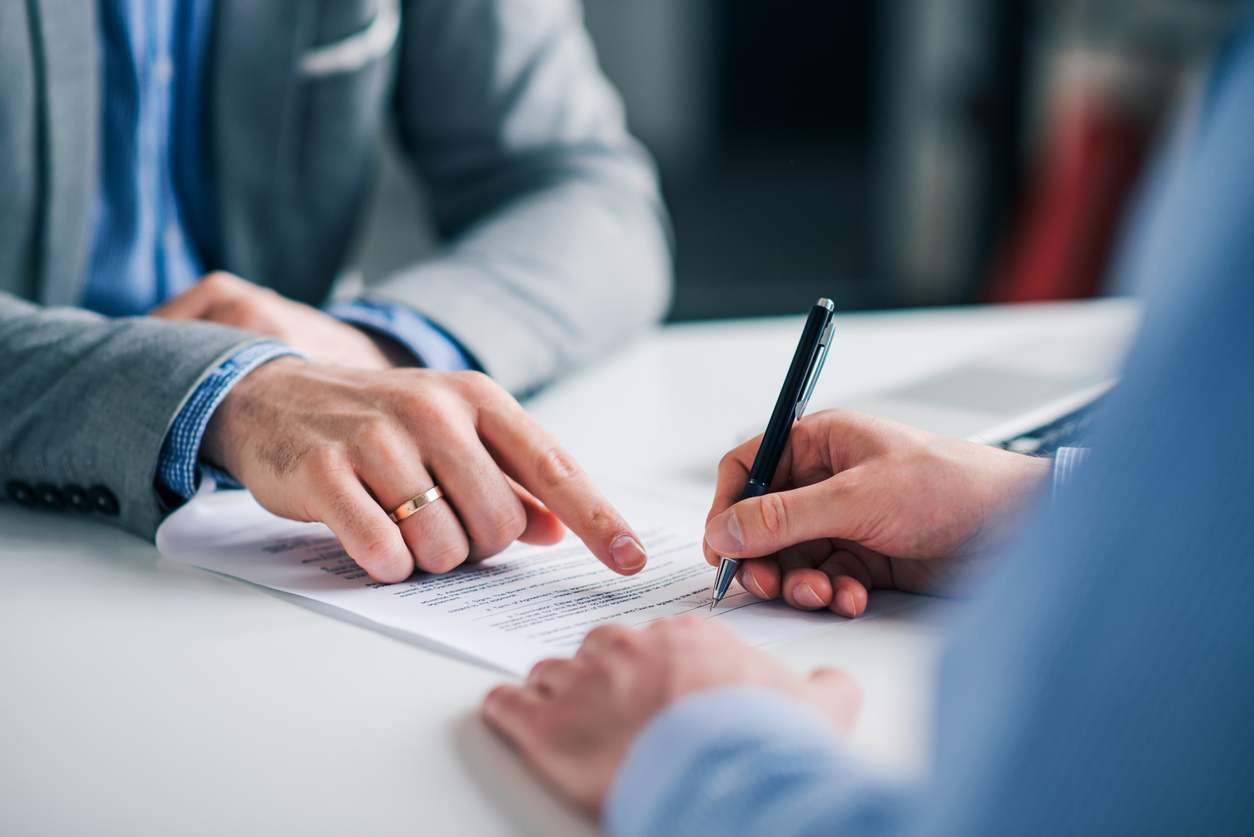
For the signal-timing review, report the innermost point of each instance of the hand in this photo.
(860, 502)
(574, 719)
(347, 447)
(229, 300)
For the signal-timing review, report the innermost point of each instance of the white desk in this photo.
(141, 697)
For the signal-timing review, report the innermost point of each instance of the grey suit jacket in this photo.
(556, 242)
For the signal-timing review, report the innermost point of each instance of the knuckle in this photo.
(325, 462)
(604, 631)
(504, 527)
(376, 433)
(502, 704)
(245, 313)
(547, 665)
(443, 560)
(374, 547)
(607, 637)
(623, 642)
(496, 698)
(556, 468)
(663, 632)
(414, 399)
(687, 624)
(540, 670)
(681, 630)
(774, 514)
(217, 280)
(434, 410)
(477, 386)
(443, 424)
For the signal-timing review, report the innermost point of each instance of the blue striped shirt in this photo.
(144, 250)
(156, 214)
(1067, 462)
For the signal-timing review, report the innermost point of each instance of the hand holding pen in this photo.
(860, 503)
(803, 373)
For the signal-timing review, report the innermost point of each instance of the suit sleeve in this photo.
(557, 239)
(87, 401)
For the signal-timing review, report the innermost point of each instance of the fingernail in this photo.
(844, 601)
(627, 553)
(805, 596)
(723, 534)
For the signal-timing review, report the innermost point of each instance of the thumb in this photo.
(836, 693)
(764, 525)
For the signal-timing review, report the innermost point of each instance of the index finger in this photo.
(534, 458)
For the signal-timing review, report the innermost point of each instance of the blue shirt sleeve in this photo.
(427, 342)
(177, 468)
(1066, 462)
(699, 768)
(1102, 682)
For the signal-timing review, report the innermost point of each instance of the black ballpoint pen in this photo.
(803, 372)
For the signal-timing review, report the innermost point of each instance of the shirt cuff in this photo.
(700, 768)
(426, 341)
(178, 468)
(1067, 462)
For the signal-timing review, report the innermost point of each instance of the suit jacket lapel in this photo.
(66, 50)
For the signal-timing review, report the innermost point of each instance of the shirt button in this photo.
(76, 497)
(20, 493)
(102, 500)
(49, 496)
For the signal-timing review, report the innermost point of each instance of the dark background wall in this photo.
(774, 213)
(872, 151)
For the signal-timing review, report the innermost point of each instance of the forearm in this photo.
(88, 401)
(701, 768)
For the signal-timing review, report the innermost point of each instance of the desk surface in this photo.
(141, 697)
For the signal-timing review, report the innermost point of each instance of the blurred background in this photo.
(884, 153)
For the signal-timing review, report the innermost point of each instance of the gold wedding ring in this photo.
(426, 498)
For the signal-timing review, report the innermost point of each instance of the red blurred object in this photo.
(1062, 241)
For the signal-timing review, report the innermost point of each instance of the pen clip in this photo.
(816, 366)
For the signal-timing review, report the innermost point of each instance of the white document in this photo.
(510, 611)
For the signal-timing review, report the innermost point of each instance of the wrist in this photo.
(222, 443)
(406, 337)
(369, 351)
(1018, 480)
(1030, 472)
